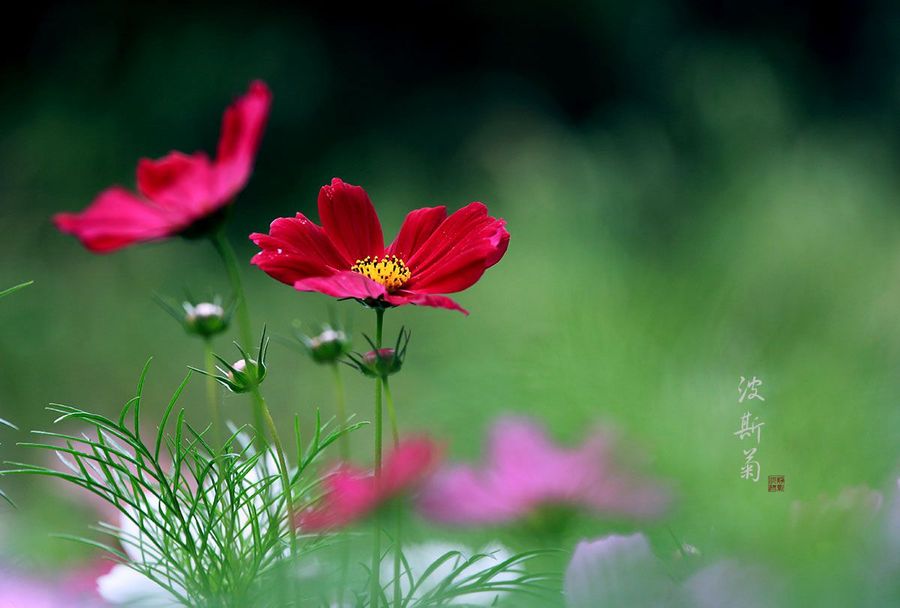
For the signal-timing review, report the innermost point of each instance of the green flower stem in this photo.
(340, 402)
(398, 512)
(379, 327)
(212, 392)
(226, 252)
(392, 413)
(376, 544)
(212, 398)
(282, 465)
(398, 554)
(262, 416)
(344, 447)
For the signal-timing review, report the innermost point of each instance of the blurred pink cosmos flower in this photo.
(352, 494)
(179, 192)
(525, 471)
(18, 590)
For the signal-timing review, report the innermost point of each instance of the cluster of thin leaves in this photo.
(211, 527)
(481, 574)
(205, 524)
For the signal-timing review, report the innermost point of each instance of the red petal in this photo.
(350, 221)
(407, 465)
(307, 238)
(416, 228)
(460, 250)
(296, 249)
(400, 298)
(347, 284)
(117, 218)
(285, 267)
(351, 495)
(242, 129)
(183, 184)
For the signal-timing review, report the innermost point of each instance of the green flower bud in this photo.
(246, 373)
(382, 362)
(205, 318)
(327, 347)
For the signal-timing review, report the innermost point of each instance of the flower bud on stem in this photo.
(262, 416)
(329, 347)
(226, 252)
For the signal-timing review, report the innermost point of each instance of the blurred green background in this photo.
(696, 191)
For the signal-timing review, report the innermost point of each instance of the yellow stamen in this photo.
(389, 271)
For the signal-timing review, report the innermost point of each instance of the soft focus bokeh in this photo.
(695, 191)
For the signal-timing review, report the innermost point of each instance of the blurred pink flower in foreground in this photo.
(622, 571)
(352, 494)
(75, 590)
(179, 193)
(525, 471)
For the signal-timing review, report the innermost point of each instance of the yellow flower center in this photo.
(389, 271)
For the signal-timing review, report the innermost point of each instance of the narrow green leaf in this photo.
(168, 412)
(14, 289)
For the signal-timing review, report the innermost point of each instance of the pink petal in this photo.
(350, 221)
(399, 298)
(185, 185)
(347, 284)
(242, 129)
(350, 496)
(461, 496)
(117, 218)
(353, 494)
(296, 249)
(525, 471)
(407, 465)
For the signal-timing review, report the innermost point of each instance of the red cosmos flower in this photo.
(178, 191)
(352, 493)
(346, 258)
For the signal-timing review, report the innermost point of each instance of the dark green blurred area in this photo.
(695, 192)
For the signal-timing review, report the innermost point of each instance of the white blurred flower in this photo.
(123, 586)
(618, 571)
(621, 571)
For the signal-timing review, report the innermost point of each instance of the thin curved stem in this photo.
(282, 467)
(398, 514)
(375, 593)
(398, 555)
(340, 403)
(226, 252)
(392, 413)
(212, 392)
(245, 329)
(379, 327)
